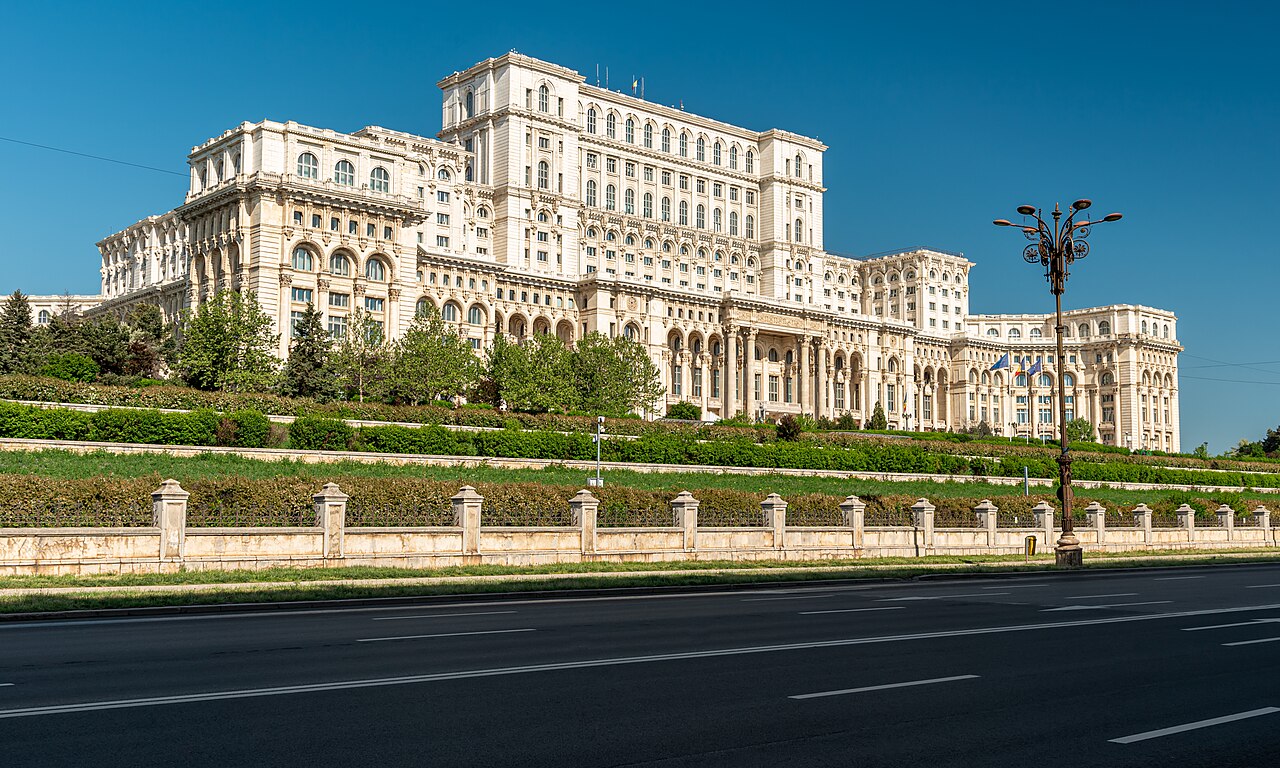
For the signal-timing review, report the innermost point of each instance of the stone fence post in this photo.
(1098, 515)
(583, 507)
(685, 508)
(331, 518)
(1142, 519)
(169, 514)
(988, 515)
(775, 518)
(1227, 519)
(854, 509)
(1044, 521)
(922, 516)
(1187, 519)
(1264, 521)
(466, 515)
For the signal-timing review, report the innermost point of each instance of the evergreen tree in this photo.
(431, 362)
(308, 372)
(15, 334)
(360, 359)
(227, 344)
(152, 346)
(878, 420)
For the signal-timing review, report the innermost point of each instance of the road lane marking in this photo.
(443, 634)
(285, 690)
(440, 615)
(1091, 597)
(937, 597)
(1253, 642)
(1261, 586)
(1178, 578)
(854, 610)
(1100, 606)
(1017, 586)
(1255, 622)
(1196, 725)
(2, 685)
(882, 687)
(785, 597)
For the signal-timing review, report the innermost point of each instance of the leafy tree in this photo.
(15, 334)
(227, 344)
(430, 362)
(846, 422)
(535, 375)
(615, 376)
(684, 410)
(1201, 451)
(152, 346)
(1080, 431)
(308, 371)
(878, 420)
(360, 360)
(71, 366)
(789, 428)
(643, 379)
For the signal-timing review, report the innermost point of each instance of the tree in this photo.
(789, 428)
(15, 334)
(615, 376)
(642, 377)
(535, 375)
(361, 358)
(1080, 431)
(71, 366)
(308, 371)
(103, 339)
(152, 347)
(685, 411)
(227, 344)
(878, 421)
(431, 362)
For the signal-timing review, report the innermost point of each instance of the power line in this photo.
(1247, 366)
(1233, 365)
(1230, 381)
(92, 157)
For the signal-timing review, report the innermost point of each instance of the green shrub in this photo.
(684, 411)
(309, 433)
(71, 366)
(252, 429)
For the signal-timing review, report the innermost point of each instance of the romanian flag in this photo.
(1003, 362)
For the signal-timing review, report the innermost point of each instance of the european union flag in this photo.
(1035, 368)
(1003, 362)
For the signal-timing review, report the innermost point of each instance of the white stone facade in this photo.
(550, 205)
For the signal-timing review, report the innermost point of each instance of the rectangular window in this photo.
(372, 305)
(648, 173)
(611, 164)
(315, 221)
(684, 182)
(442, 196)
(756, 390)
(334, 224)
(338, 326)
(297, 218)
(715, 382)
(786, 389)
(301, 295)
(593, 160)
(294, 319)
(631, 170)
(717, 190)
(773, 389)
(702, 186)
(442, 218)
(544, 142)
(442, 241)
(677, 373)
(751, 197)
(666, 178)
(697, 382)
(339, 299)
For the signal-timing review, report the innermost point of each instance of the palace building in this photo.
(548, 205)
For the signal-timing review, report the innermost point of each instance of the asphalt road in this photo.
(1176, 668)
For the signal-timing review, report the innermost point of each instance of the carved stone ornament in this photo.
(632, 303)
(286, 278)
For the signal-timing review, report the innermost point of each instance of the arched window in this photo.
(611, 125)
(475, 315)
(715, 153)
(1068, 380)
(543, 218)
(339, 265)
(666, 140)
(591, 120)
(993, 331)
(702, 149)
(1036, 333)
(610, 198)
(986, 378)
(380, 180)
(482, 212)
(44, 317)
(1084, 330)
(443, 174)
(1166, 331)
(684, 144)
(684, 213)
(374, 270)
(1104, 328)
(1020, 380)
(1108, 379)
(701, 221)
(629, 202)
(733, 157)
(648, 135)
(733, 222)
(1144, 327)
(773, 355)
(344, 173)
(630, 331)
(715, 220)
(543, 174)
(799, 231)
(648, 205)
(630, 131)
(666, 209)
(423, 308)
(1044, 381)
(308, 166)
(450, 312)
(470, 104)
(1015, 333)
(544, 98)
(591, 192)
(303, 260)
(751, 162)
(750, 229)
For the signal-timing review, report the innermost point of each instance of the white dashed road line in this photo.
(882, 687)
(444, 634)
(1196, 725)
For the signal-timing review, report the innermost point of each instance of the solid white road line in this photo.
(1100, 606)
(1253, 642)
(883, 687)
(1091, 597)
(936, 597)
(440, 615)
(1261, 586)
(1255, 622)
(2, 685)
(444, 634)
(250, 693)
(1017, 586)
(1196, 725)
(1178, 578)
(786, 597)
(854, 610)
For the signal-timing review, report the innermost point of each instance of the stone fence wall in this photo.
(170, 544)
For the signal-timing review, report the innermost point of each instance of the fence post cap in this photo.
(1142, 508)
(169, 489)
(1185, 509)
(466, 493)
(985, 506)
(852, 501)
(773, 499)
(584, 497)
(1043, 506)
(330, 492)
(684, 496)
(1095, 507)
(1223, 509)
(922, 505)
(1261, 510)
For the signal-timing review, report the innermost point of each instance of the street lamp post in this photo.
(1055, 246)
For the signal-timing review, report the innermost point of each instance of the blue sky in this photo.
(939, 117)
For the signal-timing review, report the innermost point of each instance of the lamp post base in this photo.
(1068, 553)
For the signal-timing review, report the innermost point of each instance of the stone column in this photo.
(748, 376)
(1227, 518)
(1142, 519)
(854, 511)
(822, 386)
(685, 508)
(1044, 521)
(988, 515)
(1187, 519)
(1098, 514)
(685, 358)
(704, 365)
(922, 512)
(731, 373)
(331, 518)
(804, 384)
(583, 507)
(1264, 520)
(169, 514)
(466, 515)
(775, 518)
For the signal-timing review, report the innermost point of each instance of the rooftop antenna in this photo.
(597, 74)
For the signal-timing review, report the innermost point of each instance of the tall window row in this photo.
(701, 149)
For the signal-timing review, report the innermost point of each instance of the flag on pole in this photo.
(904, 407)
(1035, 368)
(635, 83)
(1003, 362)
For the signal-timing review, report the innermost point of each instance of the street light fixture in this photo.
(1055, 246)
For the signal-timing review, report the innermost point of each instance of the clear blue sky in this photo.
(940, 117)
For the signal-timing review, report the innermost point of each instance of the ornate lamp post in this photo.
(1055, 246)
